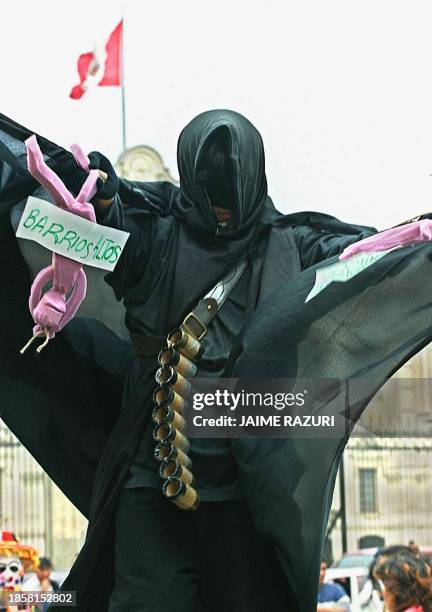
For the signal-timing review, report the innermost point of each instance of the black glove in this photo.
(74, 177)
(71, 174)
(106, 190)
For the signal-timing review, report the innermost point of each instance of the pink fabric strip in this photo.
(80, 157)
(404, 235)
(52, 309)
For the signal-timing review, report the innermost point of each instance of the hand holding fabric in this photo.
(106, 189)
(74, 175)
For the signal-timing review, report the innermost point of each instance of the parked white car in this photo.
(356, 577)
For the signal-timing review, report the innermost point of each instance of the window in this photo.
(368, 492)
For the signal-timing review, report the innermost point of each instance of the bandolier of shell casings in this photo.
(177, 361)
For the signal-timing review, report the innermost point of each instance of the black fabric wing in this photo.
(354, 334)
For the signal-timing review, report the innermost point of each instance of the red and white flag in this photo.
(102, 66)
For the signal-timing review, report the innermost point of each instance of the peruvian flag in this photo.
(102, 66)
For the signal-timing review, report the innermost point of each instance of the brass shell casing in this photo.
(165, 395)
(166, 433)
(182, 494)
(183, 365)
(170, 468)
(164, 413)
(185, 344)
(166, 451)
(167, 375)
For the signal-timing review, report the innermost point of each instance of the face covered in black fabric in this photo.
(220, 157)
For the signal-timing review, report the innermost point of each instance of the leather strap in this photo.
(197, 321)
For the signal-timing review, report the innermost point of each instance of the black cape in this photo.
(65, 406)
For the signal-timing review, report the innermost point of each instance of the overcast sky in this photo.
(340, 91)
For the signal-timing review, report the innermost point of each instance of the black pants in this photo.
(212, 559)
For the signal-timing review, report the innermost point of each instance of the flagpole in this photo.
(123, 96)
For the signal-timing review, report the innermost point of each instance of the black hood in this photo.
(220, 157)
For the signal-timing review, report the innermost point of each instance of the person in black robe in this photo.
(255, 541)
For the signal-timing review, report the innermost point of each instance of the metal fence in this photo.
(33, 507)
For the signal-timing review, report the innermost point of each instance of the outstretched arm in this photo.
(316, 245)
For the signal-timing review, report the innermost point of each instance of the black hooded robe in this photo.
(366, 328)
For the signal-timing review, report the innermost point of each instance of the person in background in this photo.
(406, 582)
(41, 581)
(370, 596)
(413, 547)
(331, 596)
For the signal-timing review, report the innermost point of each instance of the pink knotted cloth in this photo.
(402, 235)
(53, 309)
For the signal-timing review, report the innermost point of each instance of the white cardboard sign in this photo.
(343, 270)
(67, 234)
